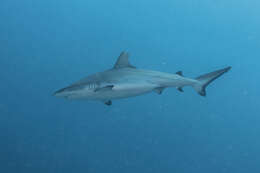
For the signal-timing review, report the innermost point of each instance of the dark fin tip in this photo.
(203, 92)
(228, 68)
(108, 103)
(179, 73)
(180, 89)
(159, 90)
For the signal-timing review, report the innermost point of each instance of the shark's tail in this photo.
(204, 80)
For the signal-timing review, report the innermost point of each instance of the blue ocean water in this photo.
(46, 45)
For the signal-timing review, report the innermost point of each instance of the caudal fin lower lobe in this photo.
(206, 79)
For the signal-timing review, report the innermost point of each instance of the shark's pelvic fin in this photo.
(159, 90)
(123, 61)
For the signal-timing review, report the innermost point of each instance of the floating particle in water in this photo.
(164, 63)
(245, 92)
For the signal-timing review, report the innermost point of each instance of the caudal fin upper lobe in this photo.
(206, 79)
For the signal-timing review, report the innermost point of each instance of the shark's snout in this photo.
(69, 92)
(60, 93)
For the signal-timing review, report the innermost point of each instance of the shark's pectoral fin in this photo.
(108, 102)
(159, 90)
(105, 88)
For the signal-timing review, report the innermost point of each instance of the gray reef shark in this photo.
(124, 80)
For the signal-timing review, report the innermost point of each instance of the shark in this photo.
(125, 80)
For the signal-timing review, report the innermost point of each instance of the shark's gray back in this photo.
(113, 76)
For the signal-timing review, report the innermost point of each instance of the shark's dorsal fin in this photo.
(122, 61)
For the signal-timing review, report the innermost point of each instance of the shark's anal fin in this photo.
(108, 102)
(123, 62)
(105, 88)
(159, 90)
(180, 89)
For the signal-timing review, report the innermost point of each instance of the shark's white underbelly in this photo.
(126, 90)
(117, 92)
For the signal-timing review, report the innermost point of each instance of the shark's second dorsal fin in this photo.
(122, 61)
(179, 73)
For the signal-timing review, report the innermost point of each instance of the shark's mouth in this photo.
(68, 91)
(71, 96)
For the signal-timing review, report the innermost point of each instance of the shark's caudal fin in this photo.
(206, 79)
